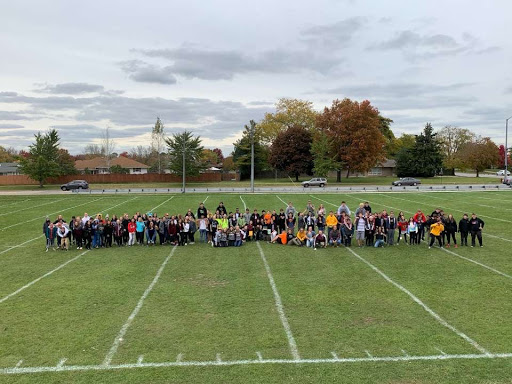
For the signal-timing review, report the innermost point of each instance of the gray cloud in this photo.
(416, 46)
(71, 88)
(395, 89)
(9, 115)
(143, 72)
(338, 34)
(10, 126)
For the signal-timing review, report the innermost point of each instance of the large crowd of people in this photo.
(311, 227)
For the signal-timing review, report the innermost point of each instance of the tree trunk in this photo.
(338, 175)
(348, 172)
(296, 177)
(41, 183)
(477, 173)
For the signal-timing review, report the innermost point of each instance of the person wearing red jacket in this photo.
(420, 219)
(132, 227)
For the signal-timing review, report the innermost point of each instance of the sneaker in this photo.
(456, 246)
(429, 247)
(46, 249)
(481, 246)
(472, 246)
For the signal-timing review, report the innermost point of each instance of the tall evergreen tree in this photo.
(43, 159)
(242, 153)
(185, 141)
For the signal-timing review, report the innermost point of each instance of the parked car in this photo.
(502, 173)
(75, 184)
(315, 182)
(406, 181)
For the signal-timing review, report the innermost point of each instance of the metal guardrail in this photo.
(376, 188)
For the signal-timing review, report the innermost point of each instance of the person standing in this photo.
(475, 226)
(201, 211)
(360, 227)
(436, 228)
(290, 209)
(450, 229)
(464, 230)
(390, 225)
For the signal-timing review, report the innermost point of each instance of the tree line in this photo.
(348, 136)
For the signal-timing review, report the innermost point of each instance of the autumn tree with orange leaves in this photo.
(355, 139)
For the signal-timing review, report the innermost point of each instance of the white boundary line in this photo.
(38, 237)
(245, 205)
(285, 203)
(74, 368)
(478, 263)
(14, 203)
(422, 304)
(159, 205)
(37, 206)
(41, 277)
(279, 307)
(48, 214)
(126, 325)
(204, 201)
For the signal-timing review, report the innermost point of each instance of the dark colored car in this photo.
(406, 181)
(75, 184)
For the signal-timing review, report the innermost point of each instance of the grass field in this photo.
(259, 313)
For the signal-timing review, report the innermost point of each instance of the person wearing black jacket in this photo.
(201, 211)
(450, 227)
(108, 231)
(475, 226)
(222, 209)
(464, 230)
(124, 223)
(390, 226)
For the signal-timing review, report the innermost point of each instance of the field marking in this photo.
(19, 363)
(422, 304)
(285, 203)
(279, 306)
(453, 209)
(245, 205)
(22, 244)
(387, 359)
(260, 356)
(335, 356)
(480, 205)
(38, 237)
(478, 263)
(14, 203)
(41, 277)
(126, 325)
(159, 205)
(404, 352)
(217, 358)
(61, 363)
(204, 201)
(179, 358)
(39, 205)
(140, 359)
(442, 353)
(52, 213)
(369, 354)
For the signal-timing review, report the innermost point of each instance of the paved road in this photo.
(486, 175)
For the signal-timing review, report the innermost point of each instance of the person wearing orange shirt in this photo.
(436, 229)
(331, 221)
(280, 239)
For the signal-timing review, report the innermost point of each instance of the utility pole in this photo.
(184, 148)
(252, 132)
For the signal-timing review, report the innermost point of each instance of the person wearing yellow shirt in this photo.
(331, 221)
(300, 239)
(435, 232)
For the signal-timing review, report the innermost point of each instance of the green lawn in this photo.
(401, 314)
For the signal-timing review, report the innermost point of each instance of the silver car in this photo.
(315, 182)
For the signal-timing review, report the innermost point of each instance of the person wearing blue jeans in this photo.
(379, 238)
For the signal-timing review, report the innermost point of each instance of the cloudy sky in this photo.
(211, 66)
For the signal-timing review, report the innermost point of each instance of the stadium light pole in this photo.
(506, 147)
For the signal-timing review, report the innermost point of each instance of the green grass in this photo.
(211, 302)
(351, 181)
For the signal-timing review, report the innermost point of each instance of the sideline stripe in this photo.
(52, 213)
(14, 203)
(37, 206)
(41, 277)
(285, 203)
(422, 304)
(478, 263)
(245, 205)
(72, 368)
(124, 328)
(206, 199)
(159, 205)
(280, 308)
(38, 237)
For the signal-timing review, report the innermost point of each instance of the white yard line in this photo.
(126, 325)
(51, 213)
(38, 237)
(478, 263)
(206, 199)
(245, 205)
(422, 304)
(159, 205)
(41, 277)
(14, 203)
(285, 203)
(168, 364)
(453, 209)
(37, 206)
(480, 205)
(279, 306)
